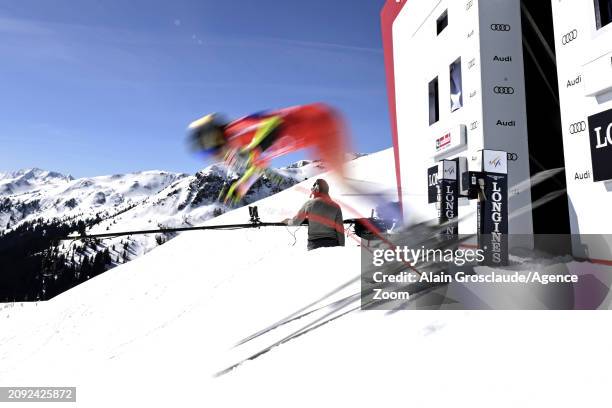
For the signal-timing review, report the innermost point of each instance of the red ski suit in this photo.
(286, 130)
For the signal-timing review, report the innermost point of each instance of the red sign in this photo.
(443, 141)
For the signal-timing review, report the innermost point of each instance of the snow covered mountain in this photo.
(39, 207)
(32, 194)
(154, 332)
(160, 196)
(28, 179)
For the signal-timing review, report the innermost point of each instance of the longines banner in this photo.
(493, 219)
(600, 133)
(421, 270)
(449, 203)
(448, 197)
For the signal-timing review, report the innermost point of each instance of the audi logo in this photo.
(500, 27)
(512, 157)
(503, 90)
(569, 37)
(577, 127)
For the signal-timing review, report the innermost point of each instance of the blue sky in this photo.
(94, 87)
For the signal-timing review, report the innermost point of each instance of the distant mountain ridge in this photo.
(168, 197)
(27, 179)
(38, 208)
(33, 172)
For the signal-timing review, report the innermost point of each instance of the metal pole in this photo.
(183, 229)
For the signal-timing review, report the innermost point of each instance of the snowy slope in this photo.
(154, 331)
(190, 200)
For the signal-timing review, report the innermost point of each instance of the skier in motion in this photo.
(247, 145)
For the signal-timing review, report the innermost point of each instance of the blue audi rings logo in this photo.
(577, 127)
(500, 27)
(569, 37)
(503, 90)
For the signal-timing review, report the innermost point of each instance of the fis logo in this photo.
(504, 90)
(569, 37)
(500, 27)
(449, 171)
(496, 162)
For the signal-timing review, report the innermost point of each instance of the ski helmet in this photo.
(206, 134)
